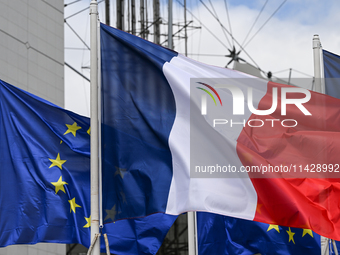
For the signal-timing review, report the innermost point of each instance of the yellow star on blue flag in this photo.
(120, 171)
(111, 214)
(307, 231)
(57, 162)
(73, 205)
(72, 129)
(59, 185)
(291, 235)
(88, 224)
(276, 227)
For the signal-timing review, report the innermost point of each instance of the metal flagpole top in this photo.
(318, 65)
(316, 42)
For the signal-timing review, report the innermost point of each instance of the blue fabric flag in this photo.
(332, 73)
(138, 110)
(45, 180)
(138, 236)
(332, 84)
(44, 171)
(230, 236)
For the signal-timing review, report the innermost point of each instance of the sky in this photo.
(281, 38)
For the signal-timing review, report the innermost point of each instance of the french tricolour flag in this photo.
(179, 135)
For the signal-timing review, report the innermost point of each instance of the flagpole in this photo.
(192, 233)
(94, 129)
(319, 87)
(335, 248)
(318, 65)
(100, 185)
(170, 39)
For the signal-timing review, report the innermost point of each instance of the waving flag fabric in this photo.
(332, 73)
(230, 236)
(44, 171)
(217, 234)
(154, 124)
(45, 180)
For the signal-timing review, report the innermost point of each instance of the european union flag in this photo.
(44, 176)
(45, 180)
(230, 236)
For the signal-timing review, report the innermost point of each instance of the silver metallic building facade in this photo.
(32, 58)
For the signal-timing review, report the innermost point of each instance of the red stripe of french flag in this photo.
(308, 196)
